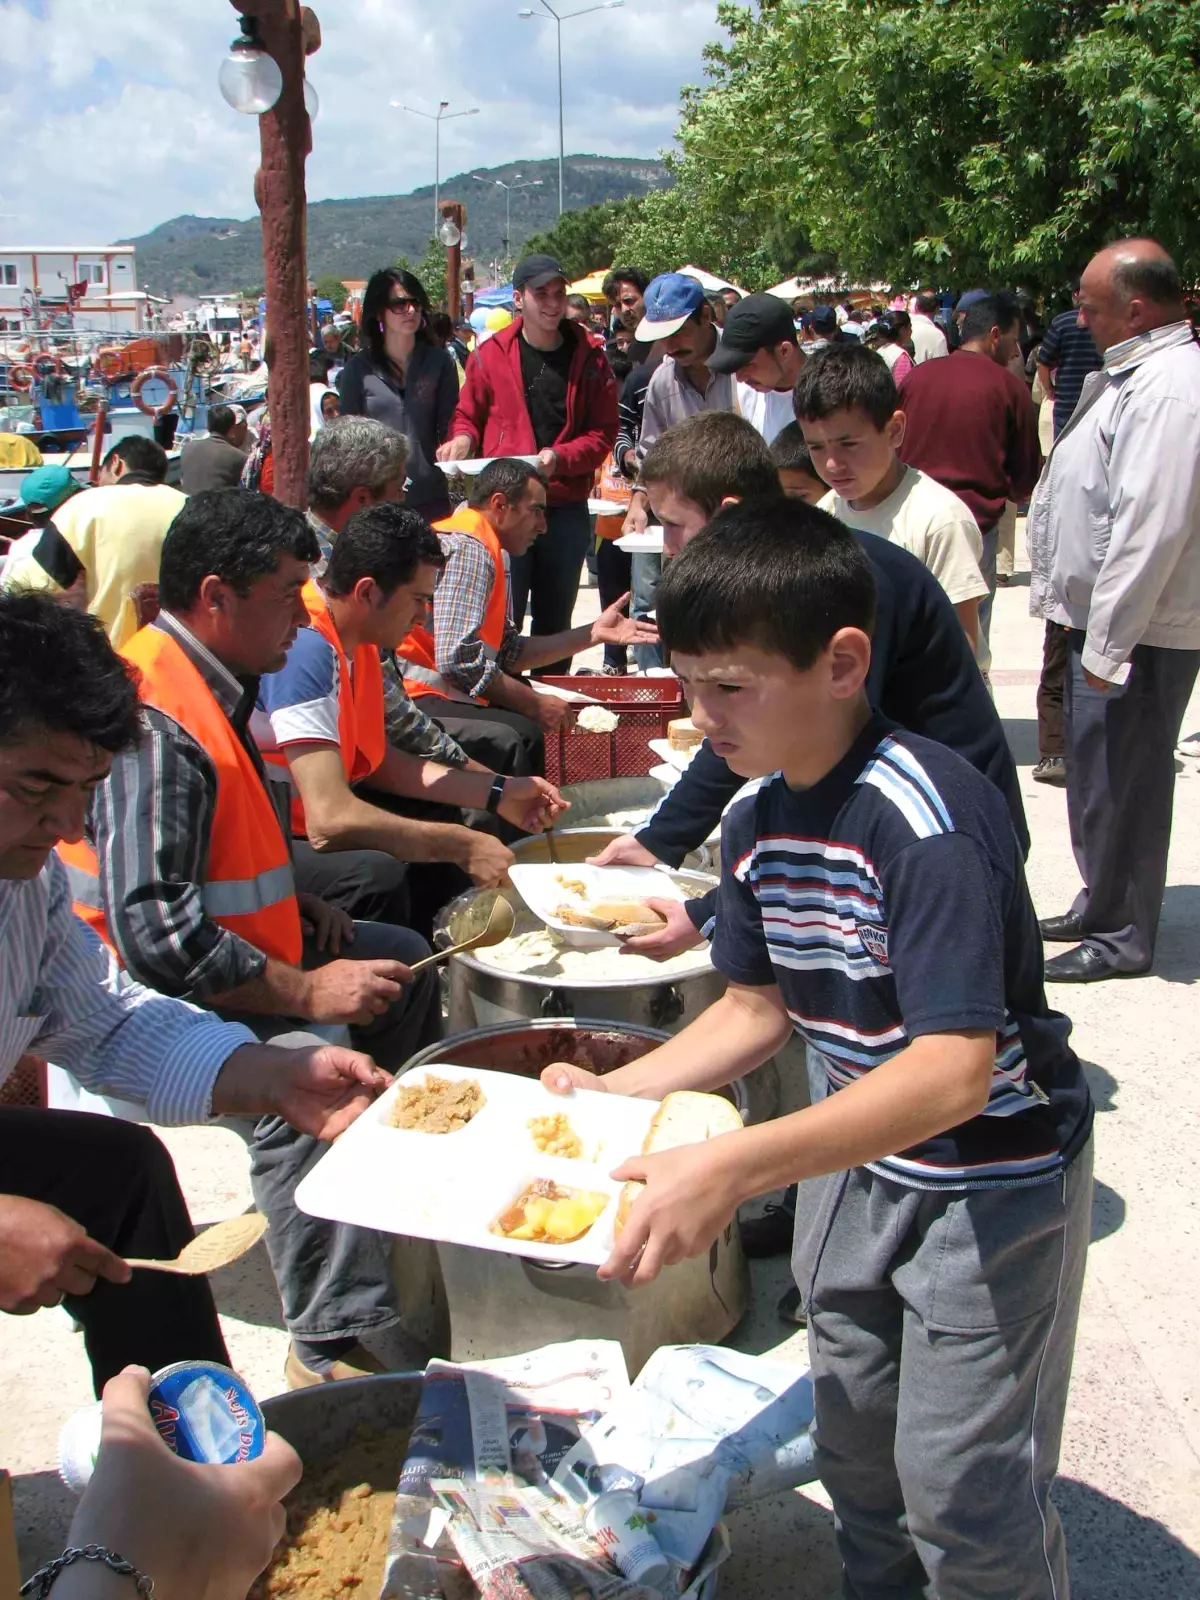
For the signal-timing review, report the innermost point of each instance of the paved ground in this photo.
(1130, 1486)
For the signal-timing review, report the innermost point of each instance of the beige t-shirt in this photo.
(931, 523)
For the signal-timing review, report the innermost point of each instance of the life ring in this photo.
(47, 365)
(109, 363)
(139, 383)
(21, 376)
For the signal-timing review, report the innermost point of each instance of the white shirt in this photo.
(929, 342)
(769, 412)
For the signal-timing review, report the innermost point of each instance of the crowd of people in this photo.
(248, 755)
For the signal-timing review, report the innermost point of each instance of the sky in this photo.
(114, 123)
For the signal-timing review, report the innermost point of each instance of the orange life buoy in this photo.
(109, 363)
(20, 376)
(47, 365)
(140, 382)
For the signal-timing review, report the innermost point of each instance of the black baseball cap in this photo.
(757, 322)
(534, 272)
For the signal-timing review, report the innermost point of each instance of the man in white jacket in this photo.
(1114, 532)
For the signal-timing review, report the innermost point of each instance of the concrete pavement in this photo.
(1130, 1486)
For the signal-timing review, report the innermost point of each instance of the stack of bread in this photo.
(683, 734)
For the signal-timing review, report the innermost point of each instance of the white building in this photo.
(34, 280)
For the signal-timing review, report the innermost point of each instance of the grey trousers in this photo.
(941, 1330)
(334, 1280)
(1120, 795)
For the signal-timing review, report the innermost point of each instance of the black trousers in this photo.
(1052, 726)
(493, 736)
(1120, 795)
(614, 577)
(118, 1181)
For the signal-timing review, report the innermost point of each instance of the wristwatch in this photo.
(496, 792)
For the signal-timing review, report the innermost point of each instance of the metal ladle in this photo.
(489, 920)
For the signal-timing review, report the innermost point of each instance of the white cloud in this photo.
(114, 123)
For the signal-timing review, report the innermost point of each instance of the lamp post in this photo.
(442, 115)
(527, 183)
(558, 19)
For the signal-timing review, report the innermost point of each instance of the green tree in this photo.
(332, 289)
(938, 139)
(585, 240)
(431, 269)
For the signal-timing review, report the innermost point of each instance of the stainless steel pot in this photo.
(320, 1421)
(470, 1304)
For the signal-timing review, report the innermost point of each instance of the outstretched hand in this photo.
(613, 627)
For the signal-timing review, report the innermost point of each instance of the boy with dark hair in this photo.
(849, 411)
(873, 901)
(692, 468)
(797, 475)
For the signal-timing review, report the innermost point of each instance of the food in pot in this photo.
(439, 1105)
(338, 1519)
(546, 1214)
(554, 1136)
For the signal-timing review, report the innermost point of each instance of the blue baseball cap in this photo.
(47, 487)
(670, 300)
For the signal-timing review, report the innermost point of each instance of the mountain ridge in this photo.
(351, 237)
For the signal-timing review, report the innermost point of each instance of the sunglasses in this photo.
(401, 304)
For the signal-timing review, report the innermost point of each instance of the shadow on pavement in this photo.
(1021, 733)
(1117, 1554)
(1108, 1211)
(42, 1510)
(782, 1546)
(247, 1291)
(1103, 1085)
(1177, 952)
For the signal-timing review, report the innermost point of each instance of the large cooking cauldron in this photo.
(469, 1304)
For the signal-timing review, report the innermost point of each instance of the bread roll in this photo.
(683, 734)
(685, 1117)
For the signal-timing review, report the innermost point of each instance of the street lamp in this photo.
(527, 183)
(250, 79)
(559, 18)
(442, 116)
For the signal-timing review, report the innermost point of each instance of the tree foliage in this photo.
(431, 269)
(951, 140)
(332, 289)
(584, 240)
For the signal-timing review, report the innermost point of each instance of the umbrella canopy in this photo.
(501, 295)
(711, 283)
(592, 287)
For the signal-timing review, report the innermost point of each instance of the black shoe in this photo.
(1051, 769)
(770, 1234)
(1084, 964)
(789, 1309)
(1061, 930)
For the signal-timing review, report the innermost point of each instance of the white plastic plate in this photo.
(557, 692)
(605, 508)
(476, 464)
(452, 1186)
(649, 543)
(538, 885)
(681, 760)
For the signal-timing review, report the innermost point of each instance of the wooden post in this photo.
(454, 211)
(285, 138)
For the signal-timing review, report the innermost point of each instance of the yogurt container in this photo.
(204, 1412)
(618, 1524)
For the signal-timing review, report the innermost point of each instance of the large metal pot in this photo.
(320, 1421)
(470, 1304)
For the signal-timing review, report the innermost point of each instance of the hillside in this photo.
(213, 255)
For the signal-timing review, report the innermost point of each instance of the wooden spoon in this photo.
(217, 1246)
(488, 922)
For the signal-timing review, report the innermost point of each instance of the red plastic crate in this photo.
(644, 705)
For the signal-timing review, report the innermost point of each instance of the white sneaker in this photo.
(1189, 747)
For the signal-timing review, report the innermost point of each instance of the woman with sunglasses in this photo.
(403, 377)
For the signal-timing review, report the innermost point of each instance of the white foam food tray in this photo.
(649, 543)
(605, 508)
(681, 760)
(476, 464)
(557, 692)
(452, 1186)
(538, 885)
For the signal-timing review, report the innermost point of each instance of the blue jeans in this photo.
(546, 579)
(646, 572)
(334, 1280)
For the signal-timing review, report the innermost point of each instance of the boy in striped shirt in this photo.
(874, 901)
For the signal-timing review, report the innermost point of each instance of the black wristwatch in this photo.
(496, 792)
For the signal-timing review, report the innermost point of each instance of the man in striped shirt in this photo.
(873, 900)
(78, 1193)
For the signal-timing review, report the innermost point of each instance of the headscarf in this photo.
(316, 418)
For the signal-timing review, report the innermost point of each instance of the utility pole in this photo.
(443, 115)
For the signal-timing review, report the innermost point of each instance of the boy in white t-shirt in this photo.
(848, 409)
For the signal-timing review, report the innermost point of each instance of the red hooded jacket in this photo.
(492, 410)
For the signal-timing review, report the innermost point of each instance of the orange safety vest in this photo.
(418, 653)
(362, 734)
(612, 484)
(248, 885)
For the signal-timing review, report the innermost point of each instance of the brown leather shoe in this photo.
(356, 1363)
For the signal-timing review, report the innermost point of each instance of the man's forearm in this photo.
(537, 651)
(512, 695)
(357, 825)
(737, 1033)
(938, 1082)
(277, 991)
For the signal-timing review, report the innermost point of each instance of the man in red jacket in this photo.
(541, 388)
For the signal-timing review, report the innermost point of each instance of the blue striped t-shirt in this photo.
(889, 901)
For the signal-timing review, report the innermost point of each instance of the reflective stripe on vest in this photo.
(362, 730)
(417, 655)
(248, 885)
